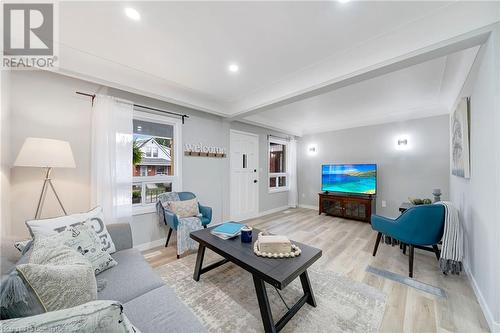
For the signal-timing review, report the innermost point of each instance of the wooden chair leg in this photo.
(404, 248)
(436, 251)
(168, 237)
(379, 236)
(410, 260)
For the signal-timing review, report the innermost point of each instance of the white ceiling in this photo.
(422, 90)
(191, 43)
(179, 51)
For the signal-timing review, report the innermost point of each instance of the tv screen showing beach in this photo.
(349, 178)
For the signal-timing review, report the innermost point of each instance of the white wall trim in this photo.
(494, 326)
(309, 207)
(150, 245)
(272, 211)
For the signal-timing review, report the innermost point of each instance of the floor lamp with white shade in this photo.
(48, 154)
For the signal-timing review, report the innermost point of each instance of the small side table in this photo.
(391, 241)
(404, 206)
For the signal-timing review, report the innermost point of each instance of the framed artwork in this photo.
(460, 154)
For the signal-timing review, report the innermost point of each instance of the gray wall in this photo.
(201, 175)
(401, 174)
(478, 198)
(44, 104)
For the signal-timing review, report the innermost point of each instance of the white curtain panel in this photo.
(111, 162)
(292, 178)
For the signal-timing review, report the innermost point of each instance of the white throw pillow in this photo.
(95, 316)
(60, 277)
(84, 239)
(47, 227)
(184, 208)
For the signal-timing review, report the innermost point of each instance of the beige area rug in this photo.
(224, 299)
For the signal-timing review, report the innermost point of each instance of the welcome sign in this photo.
(204, 150)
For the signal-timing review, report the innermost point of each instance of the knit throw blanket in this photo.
(453, 242)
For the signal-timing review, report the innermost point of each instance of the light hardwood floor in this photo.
(347, 248)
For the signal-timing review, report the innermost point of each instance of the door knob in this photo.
(255, 180)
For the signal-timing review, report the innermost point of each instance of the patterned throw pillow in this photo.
(47, 227)
(96, 316)
(59, 275)
(84, 239)
(185, 208)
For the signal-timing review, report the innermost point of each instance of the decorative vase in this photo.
(437, 194)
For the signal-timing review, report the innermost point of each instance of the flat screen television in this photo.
(349, 178)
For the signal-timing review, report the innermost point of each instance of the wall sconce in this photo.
(312, 149)
(402, 142)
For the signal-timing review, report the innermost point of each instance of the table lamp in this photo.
(45, 153)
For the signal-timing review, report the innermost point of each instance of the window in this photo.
(156, 168)
(278, 165)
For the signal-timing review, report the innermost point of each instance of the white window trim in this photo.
(176, 179)
(278, 174)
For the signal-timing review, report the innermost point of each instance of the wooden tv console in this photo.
(349, 206)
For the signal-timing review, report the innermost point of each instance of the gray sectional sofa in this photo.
(149, 304)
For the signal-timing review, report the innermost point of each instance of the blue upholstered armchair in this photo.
(172, 220)
(419, 227)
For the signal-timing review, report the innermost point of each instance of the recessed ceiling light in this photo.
(132, 13)
(233, 68)
(343, 1)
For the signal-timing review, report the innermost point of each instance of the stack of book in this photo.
(227, 230)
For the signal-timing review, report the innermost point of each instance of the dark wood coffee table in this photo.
(277, 272)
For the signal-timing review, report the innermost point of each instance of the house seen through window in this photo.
(154, 161)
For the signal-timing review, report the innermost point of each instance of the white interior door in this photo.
(244, 156)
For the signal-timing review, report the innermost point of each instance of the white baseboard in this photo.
(494, 326)
(272, 211)
(150, 245)
(309, 207)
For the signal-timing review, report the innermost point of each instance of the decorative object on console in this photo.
(437, 194)
(417, 201)
(95, 217)
(275, 246)
(48, 154)
(460, 165)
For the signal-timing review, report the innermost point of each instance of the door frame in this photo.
(233, 131)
